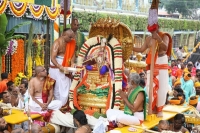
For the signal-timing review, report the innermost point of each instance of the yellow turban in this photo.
(197, 84)
(187, 77)
(178, 82)
(193, 101)
(169, 71)
(186, 70)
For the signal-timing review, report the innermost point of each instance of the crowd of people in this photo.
(177, 83)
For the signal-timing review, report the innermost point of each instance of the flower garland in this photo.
(12, 47)
(3, 6)
(36, 10)
(18, 9)
(3, 63)
(18, 78)
(17, 62)
(30, 65)
(52, 13)
(39, 58)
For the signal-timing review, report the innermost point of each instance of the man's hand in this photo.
(6, 131)
(156, 36)
(122, 94)
(43, 106)
(62, 69)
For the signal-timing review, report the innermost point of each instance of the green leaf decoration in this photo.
(9, 33)
(2, 39)
(15, 37)
(3, 23)
(20, 25)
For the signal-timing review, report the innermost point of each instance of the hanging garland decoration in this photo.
(36, 10)
(17, 62)
(3, 63)
(18, 78)
(18, 9)
(12, 47)
(52, 13)
(3, 6)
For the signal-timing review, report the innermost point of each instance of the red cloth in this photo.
(193, 73)
(3, 86)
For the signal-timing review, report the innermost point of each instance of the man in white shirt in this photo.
(23, 96)
(23, 104)
(197, 64)
(180, 53)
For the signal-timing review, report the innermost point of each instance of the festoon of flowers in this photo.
(12, 47)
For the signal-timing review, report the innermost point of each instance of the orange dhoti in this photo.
(161, 83)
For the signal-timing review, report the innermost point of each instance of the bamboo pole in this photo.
(154, 5)
(65, 13)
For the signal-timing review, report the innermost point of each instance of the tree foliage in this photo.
(184, 7)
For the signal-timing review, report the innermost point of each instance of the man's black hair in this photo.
(178, 59)
(142, 82)
(1, 94)
(180, 117)
(25, 84)
(4, 76)
(141, 74)
(178, 89)
(22, 80)
(80, 116)
(197, 70)
(9, 83)
(180, 47)
(181, 95)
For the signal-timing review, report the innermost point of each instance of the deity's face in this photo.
(99, 60)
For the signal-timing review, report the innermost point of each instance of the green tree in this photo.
(184, 7)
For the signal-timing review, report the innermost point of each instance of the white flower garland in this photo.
(12, 47)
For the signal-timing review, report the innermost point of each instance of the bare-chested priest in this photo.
(41, 91)
(62, 56)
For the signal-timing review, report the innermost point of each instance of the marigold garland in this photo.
(18, 78)
(52, 13)
(39, 58)
(3, 6)
(18, 9)
(3, 64)
(36, 10)
(17, 62)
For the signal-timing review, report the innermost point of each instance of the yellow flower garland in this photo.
(17, 80)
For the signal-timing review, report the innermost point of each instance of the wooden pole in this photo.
(153, 50)
(47, 46)
(153, 42)
(65, 13)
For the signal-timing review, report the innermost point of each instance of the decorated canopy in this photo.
(18, 9)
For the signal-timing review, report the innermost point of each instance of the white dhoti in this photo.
(63, 83)
(53, 105)
(119, 116)
(66, 119)
(163, 83)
